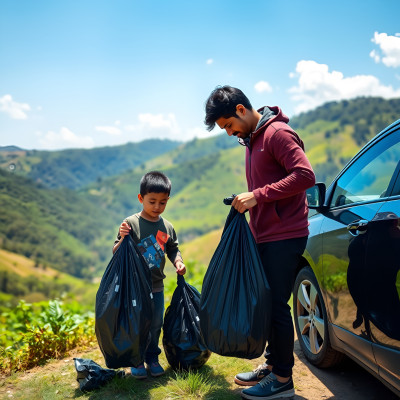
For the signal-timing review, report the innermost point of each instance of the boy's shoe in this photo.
(140, 372)
(253, 377)
(269, 388)
(156, 369)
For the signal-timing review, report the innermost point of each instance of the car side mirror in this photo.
(316, 196)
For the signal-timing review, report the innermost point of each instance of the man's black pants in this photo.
(280, 260)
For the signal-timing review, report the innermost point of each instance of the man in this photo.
(278, 173)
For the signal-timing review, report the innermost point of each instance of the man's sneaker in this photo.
(253, 377)
(156, 369)
(269, 388)
(139, 372)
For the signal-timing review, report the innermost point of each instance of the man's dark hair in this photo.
(155, 182)
(222, 103)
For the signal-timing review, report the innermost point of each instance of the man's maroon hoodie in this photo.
(278, 173)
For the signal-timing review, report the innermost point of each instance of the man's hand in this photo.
(180, 267)
(244, 201)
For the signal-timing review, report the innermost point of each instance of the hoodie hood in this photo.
(269, 115)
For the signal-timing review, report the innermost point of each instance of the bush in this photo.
(30, 336)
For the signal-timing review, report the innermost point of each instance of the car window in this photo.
(369, 176)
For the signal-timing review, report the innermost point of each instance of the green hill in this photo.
(73, 230)
(22, 278)
(57, 228)
(196, 205)
(75, 168)
(335, 131)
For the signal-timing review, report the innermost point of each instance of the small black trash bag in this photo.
(235, 305)
(183, 344)
(91, 376)
(123, 307)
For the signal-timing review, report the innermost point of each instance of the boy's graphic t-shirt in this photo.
(152, 249)
(155, 240)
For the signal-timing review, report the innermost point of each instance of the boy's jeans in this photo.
(153, 350)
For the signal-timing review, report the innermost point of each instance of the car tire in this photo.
(311, 321)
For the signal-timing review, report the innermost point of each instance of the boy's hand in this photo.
(180, 268)
(124, 229)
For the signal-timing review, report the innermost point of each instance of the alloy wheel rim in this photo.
(309, 317)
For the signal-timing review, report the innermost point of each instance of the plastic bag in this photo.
(123, 307)
(235, 305)
(91, 376)
(183, 344)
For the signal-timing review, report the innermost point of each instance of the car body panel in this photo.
(354, 252)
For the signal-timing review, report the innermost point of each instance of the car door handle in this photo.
(358, 227)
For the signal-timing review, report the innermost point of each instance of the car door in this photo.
(384, 300)
(351, 262)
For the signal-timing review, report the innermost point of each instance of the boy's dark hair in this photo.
(155, 182)
(222, 102)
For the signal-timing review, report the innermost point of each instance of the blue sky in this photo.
(85, 73)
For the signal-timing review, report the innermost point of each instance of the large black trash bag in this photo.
(235, 305)
(123, 307)
(91, 376)
(183, 344)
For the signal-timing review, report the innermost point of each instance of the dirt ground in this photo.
(348, 381)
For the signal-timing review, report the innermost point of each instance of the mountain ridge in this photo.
(73, 230)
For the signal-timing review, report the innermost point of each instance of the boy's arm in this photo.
(174, 254)
(124, 230)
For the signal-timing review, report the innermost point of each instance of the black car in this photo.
(346, 294)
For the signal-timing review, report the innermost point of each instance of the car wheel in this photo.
(311, 321)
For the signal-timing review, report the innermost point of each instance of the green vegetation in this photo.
(73, 230)
(60, 214)
(196, 205)
(57, 228)
(56, 379)
(76, 168)
(30, 335)
(22, 278)
(39, 334)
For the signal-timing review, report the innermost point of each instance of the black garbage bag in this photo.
(91, 376)
(123, 307)
(183, 344)
(235, 305)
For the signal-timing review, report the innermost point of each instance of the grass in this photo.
(57, 380)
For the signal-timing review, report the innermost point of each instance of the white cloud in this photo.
(317, 85)
(64, 139)
(155, 126)
(209, 61)
(390, 48)
(12, 108)
(111, 130)
(375, 56)
(263, 86)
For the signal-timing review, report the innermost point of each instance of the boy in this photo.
(154, 236)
